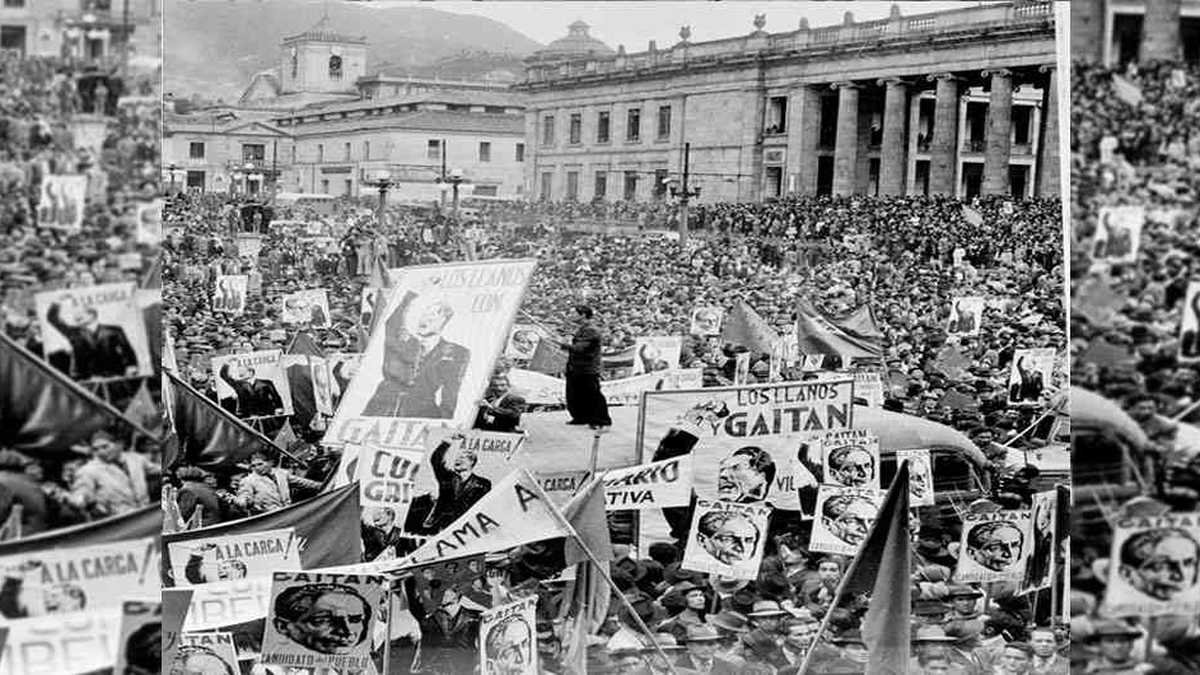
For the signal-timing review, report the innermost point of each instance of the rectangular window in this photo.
(12, 39)
(195, 180)
(324, 186)
(660, 183)
(633, 125)
(572, 185)
(664, 122)
(321, 157)
(347, 152)
(576, 128)
(485, 151)
(630, 186)
(520, 152)
(253, 152)
(776, 122)
(545, 193)
(196, 150)
(433, 149)
(548, 130)
(14, 4)
(602, 127)
(601, 184)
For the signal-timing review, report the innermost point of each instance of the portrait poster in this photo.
(663, 484)
(868, 387)
(1031, 376)
(139, 644)
(343, 366)
(1039, 571)
(523, 341)
(1189, 326)
(149, 222)
(205, 654)
(1118, 234)
(843, 518)
(95, 332)
(458, 469)
(231, 556)
(294, 638)
(508, 639)
(466, 576)
(851, 460)
(1153, 566)
(77, 642)
(62, 201)
(706, 321)
(920, 476)
(253, 384)
(229, 296)
(993, 547)
(966, 316)
(655, 354)
(430, 355)
(62, 580)
(727, 538)
(386, 480)
(249, 245)
(308, 307)
(321, 385)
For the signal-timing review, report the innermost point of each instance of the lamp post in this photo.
(684, 194)
(247, 172)
(383, 181)
(450, 183)
(171, 169)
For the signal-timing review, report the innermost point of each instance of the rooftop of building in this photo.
(323, 32)
(418, 120)
(489, 99)
(577, 42)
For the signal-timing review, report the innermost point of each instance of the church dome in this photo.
(576, 43)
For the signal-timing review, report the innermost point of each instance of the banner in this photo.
(205, 653)
(139, 646)
(149, 222)
(249, 245)
(466, 576)
(95, 332)
(993, 547)
(843, 519)
(706, 321)
(508, 639)
(387, 479)
(920, 476)
(727, 538)
(1189, 326)
(656, 354)
(850, 460)
(343, 367)
(1039, 571)
(559, 486)
(78, 642)
(1152, 567)
(868, 387)
(63, 580)
(1118, 233)
(234, 556)
(62, 202)
(430, 357)
(541, 389)
(306, 307)
(322, 620)
(253, 384)
(230, 294)
(1031, 375)
(966, 316)
(523, 341)
(174, 608)
(650, 486)
(228, 603)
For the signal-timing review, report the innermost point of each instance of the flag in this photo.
(883, 566)
(744, 326)
(12, 526)
(142, 411)
(175, 603)
(816, 334)
(302, 343)
(861, 324)
(586, 608)
(1126, 91)
(300, 382)
(550, 359)
(209, 436)
(586, 512)
(139, 524)
(286, 437)
(972, 216)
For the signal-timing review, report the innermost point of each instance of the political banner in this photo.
(993, 547)
(1189, 326)
(649, 486)
(74, 642)
(62, 201)
(706, 321)
(523, 341)
(1118, 233)
(309, 307)
(1039, 571)
(322, 385)
(1031, 376)
(508, 639)
(727, 538)
(205, 654)
(95, 332)
(387, 479)
(541, 389)
(234, 556)
(1152, 568)
(843, 518)
(920, 476)
(303, 605)
(229, 295)
(139, 644)
(149, 222)
(430, 356)
(249, 245)
(868, 387)
(656, 354)
(175, 604)
(465, 576)
(62, 580)
(343, 366)
(559, 486)
(253, 384)
(966, 316)
(850, 460)
(227, 603)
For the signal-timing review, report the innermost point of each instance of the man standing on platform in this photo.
(585, 401)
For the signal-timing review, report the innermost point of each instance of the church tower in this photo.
(321, 61)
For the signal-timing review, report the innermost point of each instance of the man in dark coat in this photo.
(97, 350)
(198, 490)
(585, 401)
(500, 409)
(459, 487)
(448, 635)
(19, 488)
(253, 397)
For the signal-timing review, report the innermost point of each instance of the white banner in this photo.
(843, 518)
(99, 330)
(253, 384)
(233, 556)
(1118, 233)
(650, 486)
(655, 354)
(303, 607)
(205, 654)
(993, 547)
(508, 639)
(966, 316)
(63, 644)
(62, 580)
(306, 307)
(1152, 568)
(230, 294)
(727, 538)
(1031, 376)
(62, 202)
(920, 476)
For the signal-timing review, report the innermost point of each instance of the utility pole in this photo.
(684, 193)
(443, 153)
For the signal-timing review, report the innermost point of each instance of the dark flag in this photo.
(817, 334)
(139, 524)
(746, 327)
(209, 436)
(549, 359)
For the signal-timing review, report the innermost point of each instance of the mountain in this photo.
(214, 47)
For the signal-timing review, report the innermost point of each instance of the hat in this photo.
(848, 637)
(1111, 628)
(929, 608)
(961, 591)
(932, 634)
(727, 585)
(766, 608)
(684, 587)
(699, 632)
(667, 642)
(729, 620)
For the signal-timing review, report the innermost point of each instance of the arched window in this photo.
(335, 67)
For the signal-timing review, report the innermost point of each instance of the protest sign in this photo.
(741, 369)
(149, 222)
(95, 332)
(1189, 326)
(868, 387)
(920, 476)
(253, 384)
(249, 245)
(508, 639)
(175, 604)
(227, 603)
(387, 479)
(67, 579)
(994, 547)
(343, 367)
(1031, 376)
(655, 354)
(706, 321)
(139, 644)
(233, 556)
(306, 307)
(523, 341)
(1152, 568)
(205, 653)
(850, 460)
(62, 202)
(230, 294)
(842, 519)
(1118, 233)
(560, 485)
(1039, 571)
(427, 362)
(75, 642)
(649, 486)
(466, 576)
(727, 538)
(966, 316)
(295, 635)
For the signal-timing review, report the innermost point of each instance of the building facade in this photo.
(95, 30)
(222, 153)
(1115, 32)
(961, 102)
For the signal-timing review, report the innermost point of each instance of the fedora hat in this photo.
(729, 620)
(1112, 628)
(932, 634)
(699, 632)
(766, 608)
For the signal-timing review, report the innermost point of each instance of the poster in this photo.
(656, 485)
(868, 387)
(966, 316)
(1189, 326)
(205, 654)
(229, 296)
(233, 556)
(305, 604)
(706, 321)
(727, 538)
(225, 603)
(310, 307)
(843, 518)
(249, 245)
(387, 480)
(1039, 571)
(321, 384)
(139, 644)
(149, 222)
(523, 341)
(64, 580)
(62, 201)
(920, 476)
(465, 576)
(343, 366)
(655, 354)
(253, 384)
(1152, 568)
(431, 354)
(1118, 233)
(95, 332)
(458, 469)
(994, 547)
(1031, 376)
(851, 460)
(77, 642)
(559, 486)
(508, 639)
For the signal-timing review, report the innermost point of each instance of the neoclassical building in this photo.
(1119, 31)
(959, 102)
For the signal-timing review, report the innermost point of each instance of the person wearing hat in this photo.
(1114, 641)
(850, 659)
(113, 481)
(964, 612)
(931, 643)
(695, 609)
(702, 643)
(1046, 658)
(762, 643)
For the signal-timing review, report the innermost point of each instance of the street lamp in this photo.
(451, 182)
(381, 180)
(684, 193)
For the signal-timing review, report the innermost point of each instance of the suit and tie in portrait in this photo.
(253, 396)
(97, 350)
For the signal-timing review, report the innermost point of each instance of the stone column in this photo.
(1049, 182)
(999, 133)
(891, 152)
(942, 147)
(804, 127)
(1160, 31)
(845, 151)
